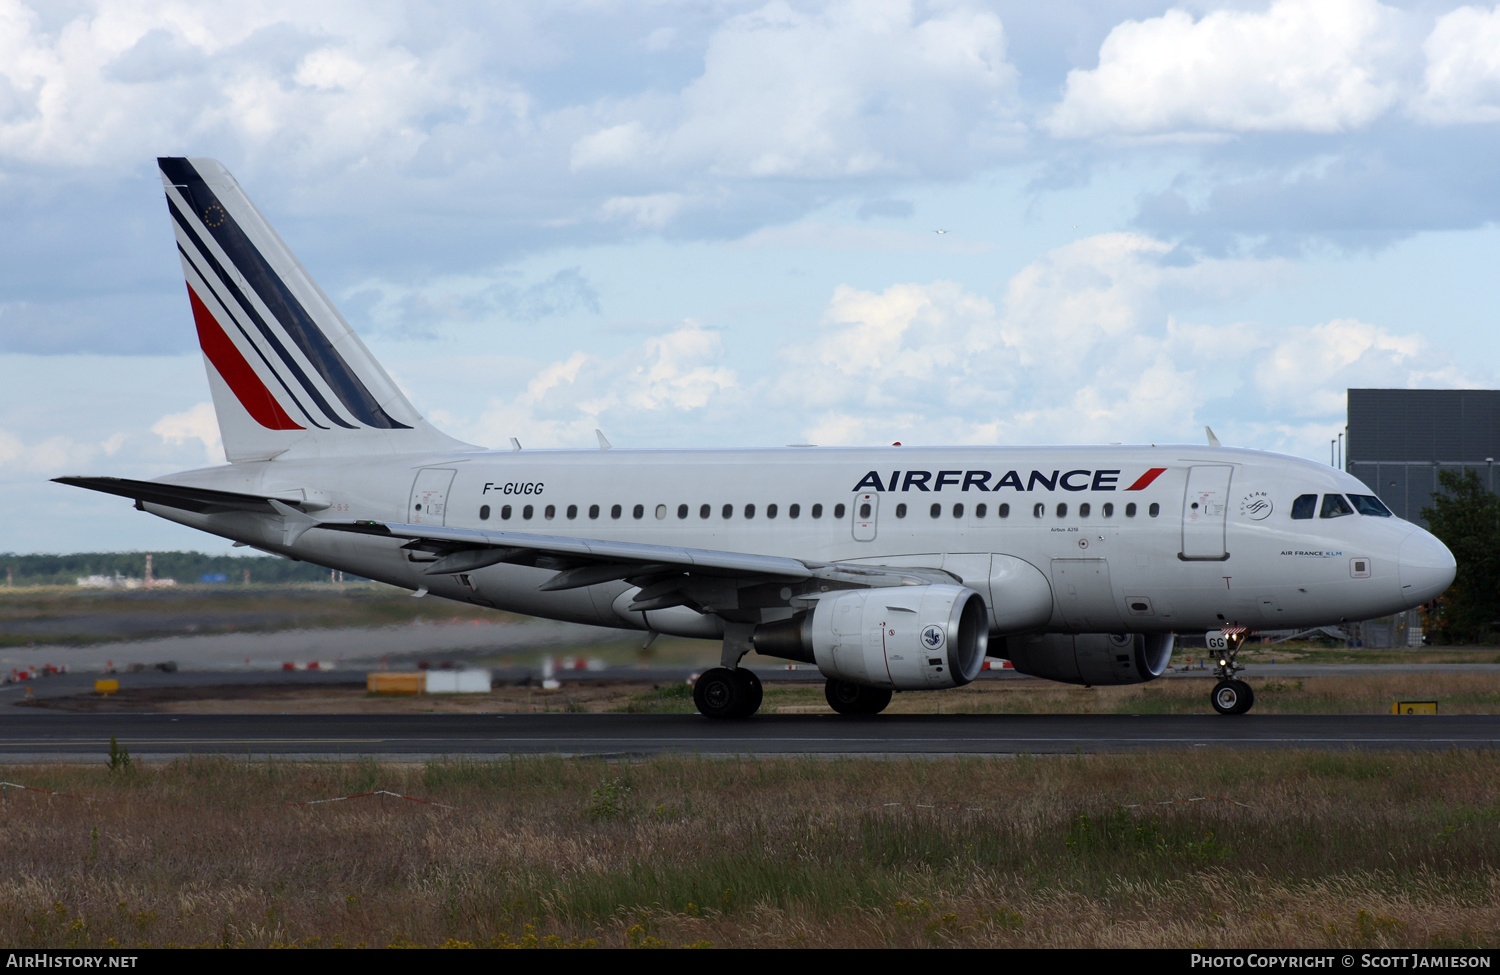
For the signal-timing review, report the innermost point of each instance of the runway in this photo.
(42, 736)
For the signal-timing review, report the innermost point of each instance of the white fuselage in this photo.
(1207, 541)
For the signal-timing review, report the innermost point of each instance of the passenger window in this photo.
(1109, 509)
(705, 511)
(817, 511)
(794, 511)
(1083, 510)
(979, 510)
(1130, 510)
(1062, 510)
(572, 511)
(901, 510)
(1039, 510)
(638, 511)
(936, 511)
(838, 511)
(864, 510)
(1368, 504)
(661, 512)
(958, 511)
(615, 511)
(1334, 506)
(1304, 506)
(771, 510)
(728, 512)
(593, 511)
(1005, 511)
(505, 513)
(682, 511)
(1154, 510)
(749, 511)
(526, 512)
(484, 512)
(550, 512)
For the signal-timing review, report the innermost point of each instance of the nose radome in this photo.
(1427, 567)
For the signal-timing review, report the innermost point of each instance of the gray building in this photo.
(1400, 438)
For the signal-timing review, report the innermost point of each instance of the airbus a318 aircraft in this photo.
(889, 568)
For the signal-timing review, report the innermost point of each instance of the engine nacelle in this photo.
(910, 638)
(1090, 658)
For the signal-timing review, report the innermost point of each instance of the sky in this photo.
(754, 224)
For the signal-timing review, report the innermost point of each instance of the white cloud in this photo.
(1082, 349)
(48, 457)
(199, 423)
(652, 212)
(124, 80)
(849, 91)
(1300, 65)
(668, 377)
(1462, 81)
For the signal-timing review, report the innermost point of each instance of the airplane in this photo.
(895, 568)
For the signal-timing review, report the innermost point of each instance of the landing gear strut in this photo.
(724, 693)
(1231, 695)
(847, 697)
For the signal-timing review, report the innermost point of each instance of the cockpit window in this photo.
(1334, 506)
(1304, 507)
(1368, 504)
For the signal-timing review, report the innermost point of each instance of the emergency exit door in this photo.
(429, 496)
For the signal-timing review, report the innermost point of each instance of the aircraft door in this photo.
(1204, 510)
(866, 509)
(429, 496)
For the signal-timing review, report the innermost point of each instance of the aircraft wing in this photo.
(668, 575)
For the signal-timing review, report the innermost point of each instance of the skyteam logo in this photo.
(1079, 480)
(933, 637)
(1256, 506)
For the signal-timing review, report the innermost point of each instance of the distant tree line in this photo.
(1466, 517)
(185, 567)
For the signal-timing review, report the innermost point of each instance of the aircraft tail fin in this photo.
(288, 374)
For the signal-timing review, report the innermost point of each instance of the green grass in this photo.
(1162, 849)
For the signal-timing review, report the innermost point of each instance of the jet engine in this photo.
(1090, 658)
(909, 638)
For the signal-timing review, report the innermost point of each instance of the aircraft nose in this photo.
(1427, 567)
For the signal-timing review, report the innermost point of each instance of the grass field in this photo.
(66, 614)
(1155, 850)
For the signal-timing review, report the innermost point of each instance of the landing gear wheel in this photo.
(725, 693)
(1232, 697)
(753, 692)
(847, 697)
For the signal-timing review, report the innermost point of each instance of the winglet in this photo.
(1213, 441)
(294, 523)
(603, 443)
(515, 444)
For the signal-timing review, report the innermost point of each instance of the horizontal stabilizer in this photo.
(200, 500)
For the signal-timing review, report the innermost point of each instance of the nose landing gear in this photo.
(1230, 695)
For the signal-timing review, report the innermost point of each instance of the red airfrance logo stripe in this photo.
(236, 372)
(1144, 481)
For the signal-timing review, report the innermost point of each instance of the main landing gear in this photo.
(847, 697)
(725, 693)
(1230, 695)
